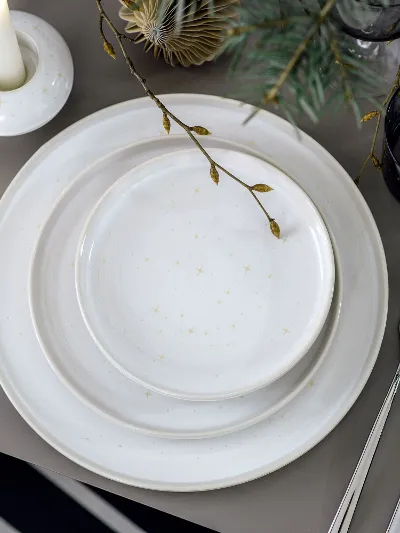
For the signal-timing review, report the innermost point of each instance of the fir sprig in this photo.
(292, 53)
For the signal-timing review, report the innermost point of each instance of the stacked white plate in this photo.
(152, 328)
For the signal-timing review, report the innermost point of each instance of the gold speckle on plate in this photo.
(285, 331)
(156, 309)
(196, 236)
(191, 331)
(161, 357)
(197, 190)
(199, 271)
(227, 291)
(233, 326)
(219, 301)
(44, 91)
(104, 261)
(177, 262)
(148, 394)
(247, 268)
(147, 259)
(311, 383)
(269, 276)
(206, 333)
(59, 75)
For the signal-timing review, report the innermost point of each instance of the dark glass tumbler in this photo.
(369, 21)
(391, 146)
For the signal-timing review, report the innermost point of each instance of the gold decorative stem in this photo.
(165, 111)
(342, 69)
(378, 115)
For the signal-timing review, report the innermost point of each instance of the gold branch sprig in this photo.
(378, 115)
(348, 92)
(167, 116)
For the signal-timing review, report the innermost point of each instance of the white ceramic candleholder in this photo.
(50, 74)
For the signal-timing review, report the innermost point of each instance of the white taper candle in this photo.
(12, 70)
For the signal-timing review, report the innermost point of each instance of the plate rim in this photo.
(23, 409)
(317, 361)
(125, 181)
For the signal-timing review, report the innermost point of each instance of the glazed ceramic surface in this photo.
(76, 358)
(50, 75)
(185, 289)
(117, 451)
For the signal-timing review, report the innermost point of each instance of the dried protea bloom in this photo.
(189, 33)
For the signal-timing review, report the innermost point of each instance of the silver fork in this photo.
(347, 507)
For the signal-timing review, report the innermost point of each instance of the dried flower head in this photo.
(193, 37)
(132, 6)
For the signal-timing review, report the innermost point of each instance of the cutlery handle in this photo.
(394, 524)
(346, 509)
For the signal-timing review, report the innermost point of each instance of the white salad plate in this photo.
(116, 451)
(77, 360)
(172, 269)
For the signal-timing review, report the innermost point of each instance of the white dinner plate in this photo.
(76, 358)
(117, 451)
(185, 289)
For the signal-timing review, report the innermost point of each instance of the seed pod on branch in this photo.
(369, 116)
(214, 174)
(108, 47)
(375, 162)
(200, 130)
(261, 187)
(275, 229)
(166, 123)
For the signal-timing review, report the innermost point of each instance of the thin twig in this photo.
(272, 94)
(372, 156)
(188, 129)
(348, 92)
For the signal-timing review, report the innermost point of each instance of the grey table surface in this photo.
(302, 497)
